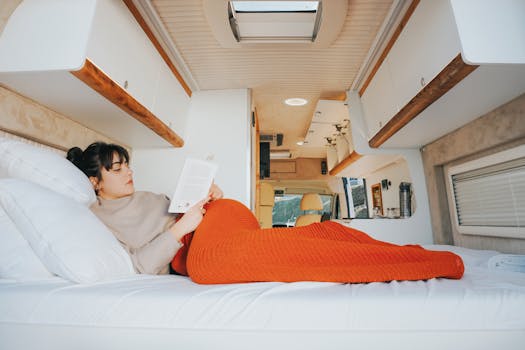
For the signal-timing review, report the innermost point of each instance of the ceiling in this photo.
(274, 72)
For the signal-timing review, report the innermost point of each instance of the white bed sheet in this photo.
(482, 300)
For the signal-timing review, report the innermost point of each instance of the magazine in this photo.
(194, 184)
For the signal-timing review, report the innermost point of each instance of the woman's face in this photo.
(117, 182)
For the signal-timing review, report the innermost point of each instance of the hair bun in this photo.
(74, 155)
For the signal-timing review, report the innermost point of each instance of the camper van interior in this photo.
(404, 119)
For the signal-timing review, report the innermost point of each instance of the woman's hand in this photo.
(215, 192)
(190, 220)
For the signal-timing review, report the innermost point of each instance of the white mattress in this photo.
(482, 300)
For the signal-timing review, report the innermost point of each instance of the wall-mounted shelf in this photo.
(435, 77)
(452, 74)
(93, 77)
(92, 62)
(351, 158)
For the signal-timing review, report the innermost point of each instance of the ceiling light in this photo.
(296, 101)
(300, 143)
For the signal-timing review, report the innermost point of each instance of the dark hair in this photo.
(96, 156)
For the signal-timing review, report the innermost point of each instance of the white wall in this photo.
(416, 229)
(396, 173)
(218, 128)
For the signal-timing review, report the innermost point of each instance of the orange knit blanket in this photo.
(230, 247)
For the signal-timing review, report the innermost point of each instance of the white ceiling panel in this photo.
(275, 72)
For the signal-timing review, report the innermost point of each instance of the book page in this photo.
(194, 184)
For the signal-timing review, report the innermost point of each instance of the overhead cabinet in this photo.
(90, 60)
(428, 86)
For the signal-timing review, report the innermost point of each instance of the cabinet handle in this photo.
(423, 82)
(126, 84)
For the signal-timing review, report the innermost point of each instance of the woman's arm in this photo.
(156, 255)
(189, 221)
(193, 217)
(153, 257)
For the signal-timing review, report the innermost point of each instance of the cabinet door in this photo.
(349, 141)
(171, 101)
(426, 45)
(491, 31)
(379, 100)
(119, 46)
(331, 157)
(342, 148)
(34, 37)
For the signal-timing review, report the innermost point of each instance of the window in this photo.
(287, 208)
(275, 21)
(488, 194)
(356, 202)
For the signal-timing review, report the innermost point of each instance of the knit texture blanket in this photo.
(230, 247)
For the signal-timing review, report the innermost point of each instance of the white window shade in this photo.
(489, 195)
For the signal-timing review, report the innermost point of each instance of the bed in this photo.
(485, 309)
(66, 283)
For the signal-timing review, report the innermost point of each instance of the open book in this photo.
(194, 184)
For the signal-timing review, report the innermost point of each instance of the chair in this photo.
(266, 203)
(309, 202)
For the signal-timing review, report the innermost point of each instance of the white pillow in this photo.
(17, 259)
(67, 237)
(46, 168)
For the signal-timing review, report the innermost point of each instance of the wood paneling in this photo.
(283, 167)
(305, 169)
(452, 74)
(92, 76)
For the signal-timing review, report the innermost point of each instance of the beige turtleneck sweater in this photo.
(140, 223)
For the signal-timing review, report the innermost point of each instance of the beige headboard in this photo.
(25, 118)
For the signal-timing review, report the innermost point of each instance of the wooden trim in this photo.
(388, 47)
(352, 157)
(452, 74)
(138, 17)
(377, 202)
(257, 128)
(257, 166)
(92, 76)
(34, 139)
(334, 96)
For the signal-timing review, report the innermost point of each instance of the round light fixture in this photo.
(300, 143)
(296, 101)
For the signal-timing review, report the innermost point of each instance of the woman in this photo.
(220, 241)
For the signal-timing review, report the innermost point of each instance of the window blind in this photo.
(491, 196)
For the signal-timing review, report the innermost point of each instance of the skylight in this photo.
(275, 6)
(275, 21)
